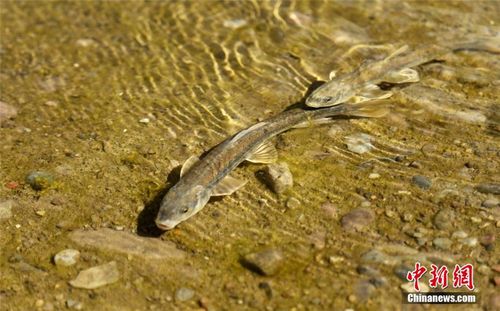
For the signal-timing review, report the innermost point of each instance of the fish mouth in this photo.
(166, 224)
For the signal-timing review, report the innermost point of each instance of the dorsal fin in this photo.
(188, 164)
(245, 131)
(228, 186)
(370, 92)
(265, 153)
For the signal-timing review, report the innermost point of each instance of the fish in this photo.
(210, 176)
(362, 84)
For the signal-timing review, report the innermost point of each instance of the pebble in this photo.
(374, 176)
(490, 203)
(357, 219)
(421, 181)
(410, 288)
(292, 203)
(459, 235)
(267, 262)
(67, 257)
(184, 294)
(6, 209)
(471, 242)
(487, 240)
(277, 177)
(359, 143)
(128, 243)
(74, 304)
(377, 256)
(7, 112)
(39, 180)
(144, 120)
(444, 219)
(234, 23)
(97, 276)
(492, 188)
(330, 210)
(442, 243)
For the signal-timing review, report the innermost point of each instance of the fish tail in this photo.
(368, 109)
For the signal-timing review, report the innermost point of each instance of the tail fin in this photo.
(369, 109)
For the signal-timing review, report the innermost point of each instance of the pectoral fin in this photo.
(370, 92)
(404, 75)
(188, 164)
(228, 186)
(265, 153)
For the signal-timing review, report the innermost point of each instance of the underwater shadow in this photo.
(146, 220)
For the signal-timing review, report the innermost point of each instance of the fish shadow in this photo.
(146, 220)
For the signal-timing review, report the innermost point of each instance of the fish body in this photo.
(201, 179)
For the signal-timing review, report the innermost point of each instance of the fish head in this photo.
(330, 94)
(179, 204)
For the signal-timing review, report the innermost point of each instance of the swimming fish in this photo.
(362, 84)
(202, 179)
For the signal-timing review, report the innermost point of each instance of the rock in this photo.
(292, 203)
(444, 219)
(401, 271)
(374, 176)
(377, 256)
(67, 257)
(359, 143)
(459, 235)
(184, 294)
(487, 240)
(97, 276)
(490, 203)
(357, 219)
(128, 243)
(471, 242)
(330, 210)
(277, 177)
(410, 288)
(442, 243)
(39, 180)
(74, 304)
(488, 188)
(6, 112)
(421, 181)
(267, 262)
(6, 209)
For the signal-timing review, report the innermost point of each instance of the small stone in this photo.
(357, 219)
(442, 243)
(277, 176)
(97, 276)
(39, 303)
(330, 210)
(374, 176)
(487, 240)
(86, 42)
(415, 164)
(267, 262)
(410, 288)
(266, 287)
(144, 120)
(318, 239)
(234, 23)
(471, 242)
(128, 243)
(459, 235)
(67, 257)
(421, 181)
(6, 209)
(292, 203)
(490, 203)
(40, 212)
(39, 180)
(401, 271)
(492, 188)
(407, 217)
(359, 143)
(444, 219)
(184, 294)
(6, 112)
(51, 103)
(377, 256)
(74, 304)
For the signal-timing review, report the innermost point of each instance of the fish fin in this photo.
(265, 153)
(404, 75)
(370, 92)
(399, 51)
(245, 131)
(369, 109)
(228, 186)
(188, 164)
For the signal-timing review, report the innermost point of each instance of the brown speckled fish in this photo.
(201, 179)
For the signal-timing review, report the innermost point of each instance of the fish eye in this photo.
(327, 99)
(184, 210)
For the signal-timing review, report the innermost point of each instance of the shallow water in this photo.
(112, 97)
